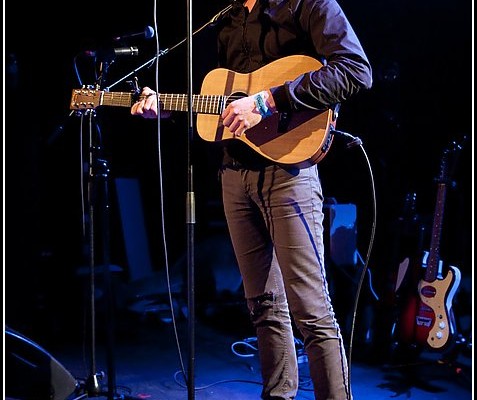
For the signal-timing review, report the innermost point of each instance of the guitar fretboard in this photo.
(434, 250)
(204, 104)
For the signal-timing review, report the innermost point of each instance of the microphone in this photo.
(126, 51)
(113, 52)
(147, 33)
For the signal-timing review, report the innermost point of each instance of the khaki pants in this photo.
(275, 220)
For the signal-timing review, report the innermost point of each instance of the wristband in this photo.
(261, 106)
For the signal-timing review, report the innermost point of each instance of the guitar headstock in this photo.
(449, 161)
(86, 99)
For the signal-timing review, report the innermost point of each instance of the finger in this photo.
(228, 116)
(150, 103)
(236, 125)
(137, 108)
(243, 127)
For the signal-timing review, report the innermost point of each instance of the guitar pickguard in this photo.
(442, 328)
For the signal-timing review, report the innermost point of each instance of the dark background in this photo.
(421, 103)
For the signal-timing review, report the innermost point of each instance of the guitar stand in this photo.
(450, 360)
(410, 368)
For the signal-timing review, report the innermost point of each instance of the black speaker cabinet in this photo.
(31, 373)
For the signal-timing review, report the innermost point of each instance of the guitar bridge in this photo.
(283, 122)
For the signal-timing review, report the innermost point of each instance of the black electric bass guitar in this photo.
(301, 138)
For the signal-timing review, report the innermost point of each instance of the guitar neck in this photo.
(433, 259)
(204, 104)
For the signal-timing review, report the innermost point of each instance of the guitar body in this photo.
(407, 329)
(435, 322)
(301, 140)
(409, 305)
(427, 318)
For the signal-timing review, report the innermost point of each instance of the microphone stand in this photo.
(98, 205)
(190, 215)
(190, 198)
(98, 201)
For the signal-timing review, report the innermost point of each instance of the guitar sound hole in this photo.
(234, 96)
(428, 291)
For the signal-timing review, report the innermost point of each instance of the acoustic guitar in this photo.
(299, 138)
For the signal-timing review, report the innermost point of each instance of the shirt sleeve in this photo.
(345, 70)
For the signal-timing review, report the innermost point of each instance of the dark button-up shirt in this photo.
(277, 28)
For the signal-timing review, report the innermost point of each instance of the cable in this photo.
(214, 383)
(246, 343)
(353, 141)
(249, 343)
(161, 189)
(159, 53)
(373, 292)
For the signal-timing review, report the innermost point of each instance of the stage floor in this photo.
(142, 362)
